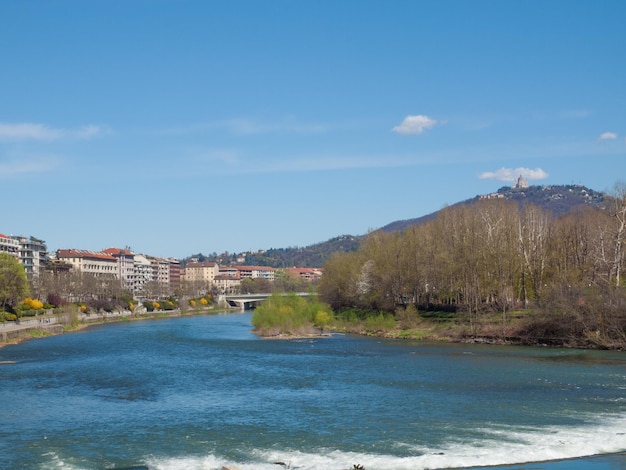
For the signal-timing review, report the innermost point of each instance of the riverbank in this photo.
(12, 333)
(488, 331)
(519, 328)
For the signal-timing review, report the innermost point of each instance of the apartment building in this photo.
(201, 272)
(175, 274)
(9, 245)
(125, 266)
(32, 254)
(255, 272)
(227, 284)
(92, 262)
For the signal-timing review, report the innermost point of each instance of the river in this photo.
(202, 392)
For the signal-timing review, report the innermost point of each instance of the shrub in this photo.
(55, 300)
(33, 303)
(290, 314)
(6, 316)
(407, 317)
(106, 305)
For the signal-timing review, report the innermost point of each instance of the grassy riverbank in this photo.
(517, 327)
(289, 316)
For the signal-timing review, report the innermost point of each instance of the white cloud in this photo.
(89, 132)
(27, 131)
(30, 131)
(511, 174)
(248, 126)
(607, 136)
(415, 125)
(16, 168)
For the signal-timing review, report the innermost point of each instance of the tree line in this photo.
(496, 256)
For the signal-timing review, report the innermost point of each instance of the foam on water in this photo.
(503, 446)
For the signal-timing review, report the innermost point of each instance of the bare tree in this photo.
(618, 211)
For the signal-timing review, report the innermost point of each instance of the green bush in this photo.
(168, 305)
(24, 310)
(290, 314)
(6, 316)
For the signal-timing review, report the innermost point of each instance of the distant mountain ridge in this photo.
(557, 199)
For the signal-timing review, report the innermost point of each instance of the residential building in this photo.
(143, 274)
(175, 274)
(201, 272)
(32, 254)
(125, 266)
(92, 262)
(231, 271)
(227, 284)
(255, 272)
(9, 245)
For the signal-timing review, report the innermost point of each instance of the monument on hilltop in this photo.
(521, 183)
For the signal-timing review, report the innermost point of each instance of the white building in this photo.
(92, 262)
(32, 254)
(143, 273)
(9, 245)
(125, 266)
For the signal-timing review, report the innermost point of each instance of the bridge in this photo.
(250, 301)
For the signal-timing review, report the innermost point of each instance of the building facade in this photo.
(92, 262)
(32, 254)
(201, 272)
(9, 245)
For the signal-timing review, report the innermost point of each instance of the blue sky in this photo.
(178, 127)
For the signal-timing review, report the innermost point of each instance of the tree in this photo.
(619, 213)
(13, 281)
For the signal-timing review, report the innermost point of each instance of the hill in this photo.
(557, 199)
(312, 256)
(307, 257)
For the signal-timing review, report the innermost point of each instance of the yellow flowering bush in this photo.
(33, 303)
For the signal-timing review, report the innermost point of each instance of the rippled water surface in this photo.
(202, 392)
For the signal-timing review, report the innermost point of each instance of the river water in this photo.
(202, 392)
